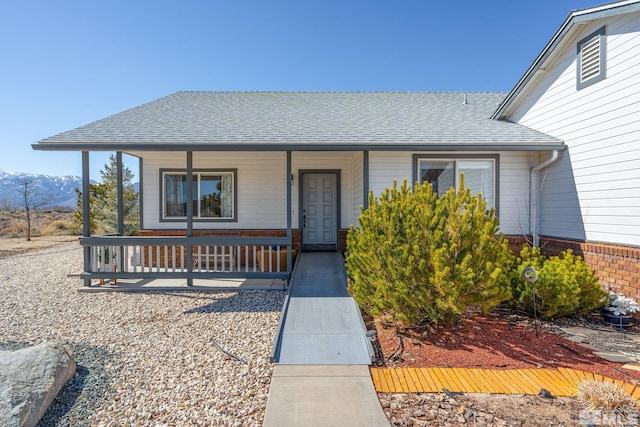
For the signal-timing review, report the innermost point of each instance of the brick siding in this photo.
(617, 267)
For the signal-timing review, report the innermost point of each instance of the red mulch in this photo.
(493, 341)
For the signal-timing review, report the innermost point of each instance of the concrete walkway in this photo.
(323, 325)
(322, 377)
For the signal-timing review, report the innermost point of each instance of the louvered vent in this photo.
(590, 59)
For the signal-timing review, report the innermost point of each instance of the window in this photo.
(213, 195)
(443, 173)
(592, 59)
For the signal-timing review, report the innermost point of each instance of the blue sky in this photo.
(67, 63)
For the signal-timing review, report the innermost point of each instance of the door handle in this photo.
(304, 220)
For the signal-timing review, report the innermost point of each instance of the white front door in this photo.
(319, 211)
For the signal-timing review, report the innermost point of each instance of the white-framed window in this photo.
(213, 195)
(592, 58)
(443, 173)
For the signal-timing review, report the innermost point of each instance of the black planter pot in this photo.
(620, 320)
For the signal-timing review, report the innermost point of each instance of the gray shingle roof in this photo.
(306, 118)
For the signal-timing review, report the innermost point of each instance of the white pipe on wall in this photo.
(534, 195)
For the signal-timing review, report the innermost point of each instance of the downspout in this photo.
(534, 195)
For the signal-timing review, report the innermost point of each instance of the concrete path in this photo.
(323, 395)
(322, 377)
(322, 325)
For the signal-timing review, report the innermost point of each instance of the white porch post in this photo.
(86, 226)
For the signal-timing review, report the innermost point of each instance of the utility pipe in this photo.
(534, 195)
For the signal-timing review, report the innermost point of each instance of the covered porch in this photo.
(201, 253)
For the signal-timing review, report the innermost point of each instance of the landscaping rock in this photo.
(29, 381)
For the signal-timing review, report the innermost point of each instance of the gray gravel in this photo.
(143, 359)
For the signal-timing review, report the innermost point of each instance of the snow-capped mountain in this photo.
(60, 189)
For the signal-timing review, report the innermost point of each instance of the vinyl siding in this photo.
(327, 160)
(261, 180)
(357, 192)
(261, 185)
(385, 167)
(592, 192)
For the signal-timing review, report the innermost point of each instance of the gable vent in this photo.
(590, 59)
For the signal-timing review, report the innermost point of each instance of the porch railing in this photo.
(137, 257)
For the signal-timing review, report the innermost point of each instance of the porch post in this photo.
(86, 229)
(189, 215)
(120, 196)
(365, 179)
(289, 255)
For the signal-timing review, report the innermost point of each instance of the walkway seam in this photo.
(560, 382)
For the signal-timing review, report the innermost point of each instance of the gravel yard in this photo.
(143, 359)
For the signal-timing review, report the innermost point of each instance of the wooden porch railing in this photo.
(135, 257)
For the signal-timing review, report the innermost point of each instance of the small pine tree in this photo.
(420, 258)
(566, 285)
(103, 201)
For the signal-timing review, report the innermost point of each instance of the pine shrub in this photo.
(566, 285)
(422, 258)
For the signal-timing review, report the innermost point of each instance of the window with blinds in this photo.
(591, 59)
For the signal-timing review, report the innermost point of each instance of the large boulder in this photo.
(29, 381)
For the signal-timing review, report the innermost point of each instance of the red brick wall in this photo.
(617, 267)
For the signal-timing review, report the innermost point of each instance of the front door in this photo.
(319, 211)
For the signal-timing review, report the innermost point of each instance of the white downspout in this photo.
(534, 195)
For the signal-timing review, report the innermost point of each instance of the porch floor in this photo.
(173, 285)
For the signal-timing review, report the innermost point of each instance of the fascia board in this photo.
(523, 146)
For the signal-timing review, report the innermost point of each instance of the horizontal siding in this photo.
(514, 192)
(385, 167)
(357, 196)
(260, 183)
(326, 160)
(593, 191)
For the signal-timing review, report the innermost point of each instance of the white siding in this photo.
(261, 185)
(261, 180)
(357, 189)
(345, 162)
(592, 192)
(384, 167)
(387, 166)
(514, 192)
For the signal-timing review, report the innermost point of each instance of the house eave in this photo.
(574, 18)
(424, 147)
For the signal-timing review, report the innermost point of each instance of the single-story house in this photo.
(273, 172)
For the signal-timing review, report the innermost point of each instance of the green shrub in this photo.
(565, 286)
(420, 258)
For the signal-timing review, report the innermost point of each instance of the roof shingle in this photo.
(316, 118)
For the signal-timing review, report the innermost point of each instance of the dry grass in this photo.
(602, 395)
(43, 223)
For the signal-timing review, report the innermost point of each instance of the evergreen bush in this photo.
(422, 258)
(566, 285)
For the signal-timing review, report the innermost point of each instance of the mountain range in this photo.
(60, 190)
